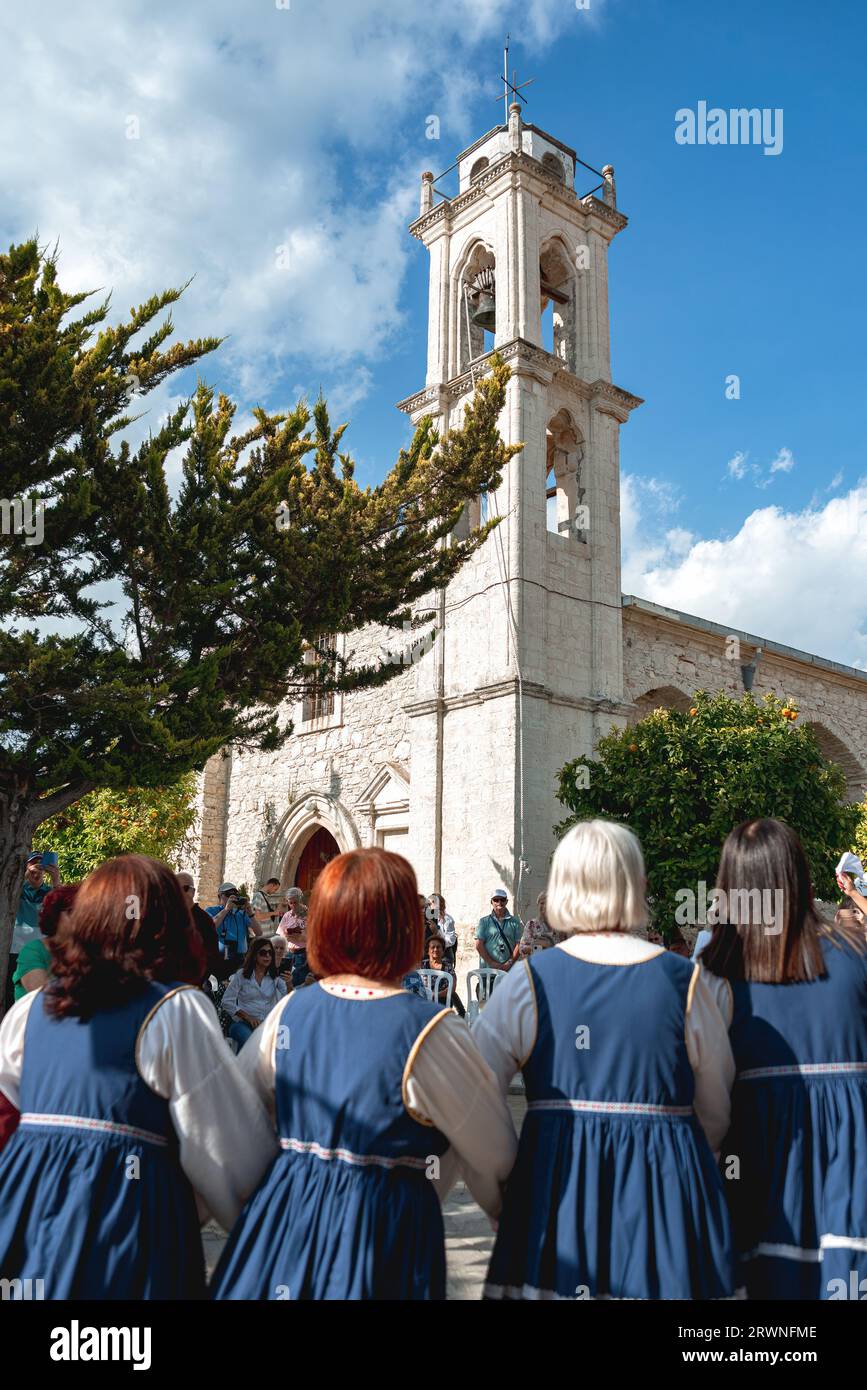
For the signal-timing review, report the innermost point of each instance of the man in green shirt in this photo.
(498, 935)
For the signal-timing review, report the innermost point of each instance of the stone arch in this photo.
(564, 492)
(477, 258)
(836, 751)
(307, 814)
(553, 164)
(479, 167)
(557, 281)
(660, 697)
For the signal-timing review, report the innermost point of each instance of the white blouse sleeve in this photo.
(229, 1003)
(710, 1055)
(448, 1084)
(226, 1139)
(505, 1031)
(257, 1059)
(721, 992)
(12, 1047)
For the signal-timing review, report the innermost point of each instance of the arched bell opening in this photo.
(565, 514)
(557, 305)
(477, 306)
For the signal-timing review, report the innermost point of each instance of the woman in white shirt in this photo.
(117, 1070)
(253, 991)
(627, 1066)
(359, 1075)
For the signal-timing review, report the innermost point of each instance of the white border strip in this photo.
(301, 1146)
(96, 1126)
(807, 1069)
(610, 1107)
(802, 1255)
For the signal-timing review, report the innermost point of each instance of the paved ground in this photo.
(469, 1237)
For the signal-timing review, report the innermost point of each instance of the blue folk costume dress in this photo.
(347, 1209)
(615, 1193)
(799, 1130)
(93, 1200)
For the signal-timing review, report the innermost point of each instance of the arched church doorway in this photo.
(319, 850)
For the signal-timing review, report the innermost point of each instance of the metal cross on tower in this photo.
(512, 88)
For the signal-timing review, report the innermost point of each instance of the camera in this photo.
(430, 914)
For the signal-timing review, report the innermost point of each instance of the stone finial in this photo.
(610, 192)
(515, 127)
(427, 183)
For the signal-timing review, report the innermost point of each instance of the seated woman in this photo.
(34, 959)
(793, 990)
(253, 991)
(436, 960)
(538, 934)
(127, 1100)
(627, 1067)
(359, 1075)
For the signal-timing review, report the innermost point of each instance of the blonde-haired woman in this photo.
(627, 1066)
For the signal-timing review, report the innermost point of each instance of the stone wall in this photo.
(674, 658)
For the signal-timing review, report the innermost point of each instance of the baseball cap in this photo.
(227, 888)
(500, 893)
(35, 857)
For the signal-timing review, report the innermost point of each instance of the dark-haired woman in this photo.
(253, 991)
(127, 1100)
(794, 992)
(360, 1076)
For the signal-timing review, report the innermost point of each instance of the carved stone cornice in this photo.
(510, 688)
(450, 209)
(525, 359)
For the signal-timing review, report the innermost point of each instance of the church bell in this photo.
(482, 296)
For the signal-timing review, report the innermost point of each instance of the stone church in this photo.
(538, 653)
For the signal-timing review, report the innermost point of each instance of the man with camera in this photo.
(234, 919)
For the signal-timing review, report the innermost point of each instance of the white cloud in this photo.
(784, 462)
(792, 577)
(257, 128)
(737, 466)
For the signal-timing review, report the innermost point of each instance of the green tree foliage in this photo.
(158, 821)
(152, 627)
(859, 844)
(682, 781)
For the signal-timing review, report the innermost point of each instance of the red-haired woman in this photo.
(359, 1074)
(128, 1099)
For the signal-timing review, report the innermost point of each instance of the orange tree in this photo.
(683, 780)
(138, 820)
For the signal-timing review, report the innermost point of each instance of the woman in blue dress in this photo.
(123, 1101)
(358, 1073)
(627, 1067)
(794, 990)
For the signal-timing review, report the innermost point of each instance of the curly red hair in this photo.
(365, 917)
(130, 924)
(59, 900)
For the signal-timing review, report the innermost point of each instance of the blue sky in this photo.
(276, 153)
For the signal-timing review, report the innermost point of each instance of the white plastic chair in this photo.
(434, 991)
(486, 979)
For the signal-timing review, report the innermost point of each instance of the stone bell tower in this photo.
(528, 669)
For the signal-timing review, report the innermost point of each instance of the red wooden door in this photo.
(320, 848)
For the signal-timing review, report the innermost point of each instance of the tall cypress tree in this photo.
(142, 630)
